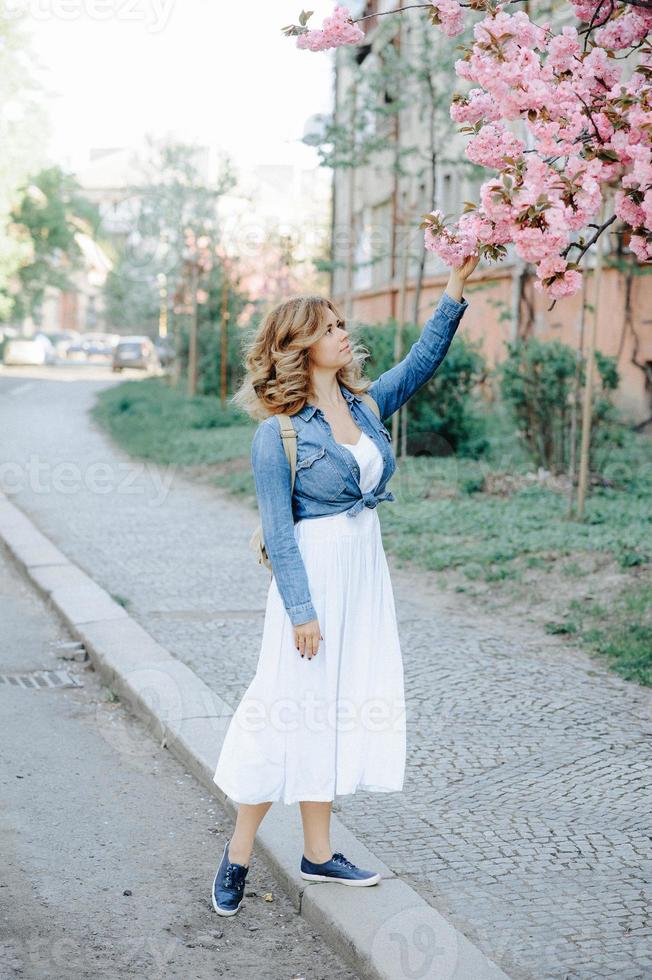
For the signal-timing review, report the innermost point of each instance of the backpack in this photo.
(289, 436)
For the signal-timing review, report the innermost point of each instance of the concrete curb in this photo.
(387, 932)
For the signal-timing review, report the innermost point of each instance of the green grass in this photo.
(151, 420)
(436, 523)
(442, 520)
(621, 631)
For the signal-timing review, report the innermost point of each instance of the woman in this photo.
(330, 639)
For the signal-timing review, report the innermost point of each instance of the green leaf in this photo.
(608, 155)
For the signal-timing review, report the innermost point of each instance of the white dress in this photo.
(311, 729)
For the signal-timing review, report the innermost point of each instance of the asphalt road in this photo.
(17, 374)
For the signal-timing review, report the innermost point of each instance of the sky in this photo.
(215, 72)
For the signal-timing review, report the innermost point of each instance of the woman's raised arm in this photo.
(393, 388)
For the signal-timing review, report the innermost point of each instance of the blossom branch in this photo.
(587, 129)
(584, 248)
(592, 25)
(589, 114)
(381, 13)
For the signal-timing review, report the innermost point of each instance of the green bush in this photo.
(541, 381)
(446, 407)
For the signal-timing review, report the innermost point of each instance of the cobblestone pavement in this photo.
(525, 817)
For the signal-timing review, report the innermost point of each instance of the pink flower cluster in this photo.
(455, 248)
(335, 31)
(633, 205)
(492, 145)
(473, 230)
(584, 125)
(588, 128)
(641, 246)
(625, 31)
(476, 106)
(449, 15)
(556, 279)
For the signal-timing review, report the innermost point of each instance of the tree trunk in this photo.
(587, 408)
(192, 346)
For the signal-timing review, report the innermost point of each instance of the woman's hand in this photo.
(307, 637)
(458, 277)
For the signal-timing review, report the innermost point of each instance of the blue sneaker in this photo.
(228, 885)
(337, 869)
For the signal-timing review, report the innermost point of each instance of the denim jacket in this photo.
(327, 474)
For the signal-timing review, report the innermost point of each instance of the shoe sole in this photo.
(342, 881)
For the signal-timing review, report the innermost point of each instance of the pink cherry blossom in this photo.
(450, 15)
(535, 244)
(476, 226)
(584, 9)
(628, 211)
(492, 145)
(555, 279)
(453, 248)
(476, 106)
(557, 115)
(641, 247)
(564, 50)
(647, 208)
(623, 32)
(335, 31)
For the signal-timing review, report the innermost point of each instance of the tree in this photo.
(586, 128)
(406, 68)
(170, 197)
(50, 214)
(23, 127)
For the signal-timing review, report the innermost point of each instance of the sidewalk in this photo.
(108, 844)
(524, 820)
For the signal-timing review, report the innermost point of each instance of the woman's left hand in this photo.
(465, 270)
(458, 277)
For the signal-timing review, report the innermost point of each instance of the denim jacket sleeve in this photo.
(393, 388)
(272, 478)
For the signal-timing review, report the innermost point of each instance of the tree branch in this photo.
(584, 248)
(381, 13)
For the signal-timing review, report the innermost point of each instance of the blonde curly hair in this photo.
(277, 359)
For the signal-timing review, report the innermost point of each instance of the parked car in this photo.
(62, 341)
(76, 351)
(165, 350)
(93, 347)
(98, 346)
(135, 352)
(35, 350)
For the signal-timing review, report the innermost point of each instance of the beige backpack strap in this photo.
(289, 436)
(372, 403)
